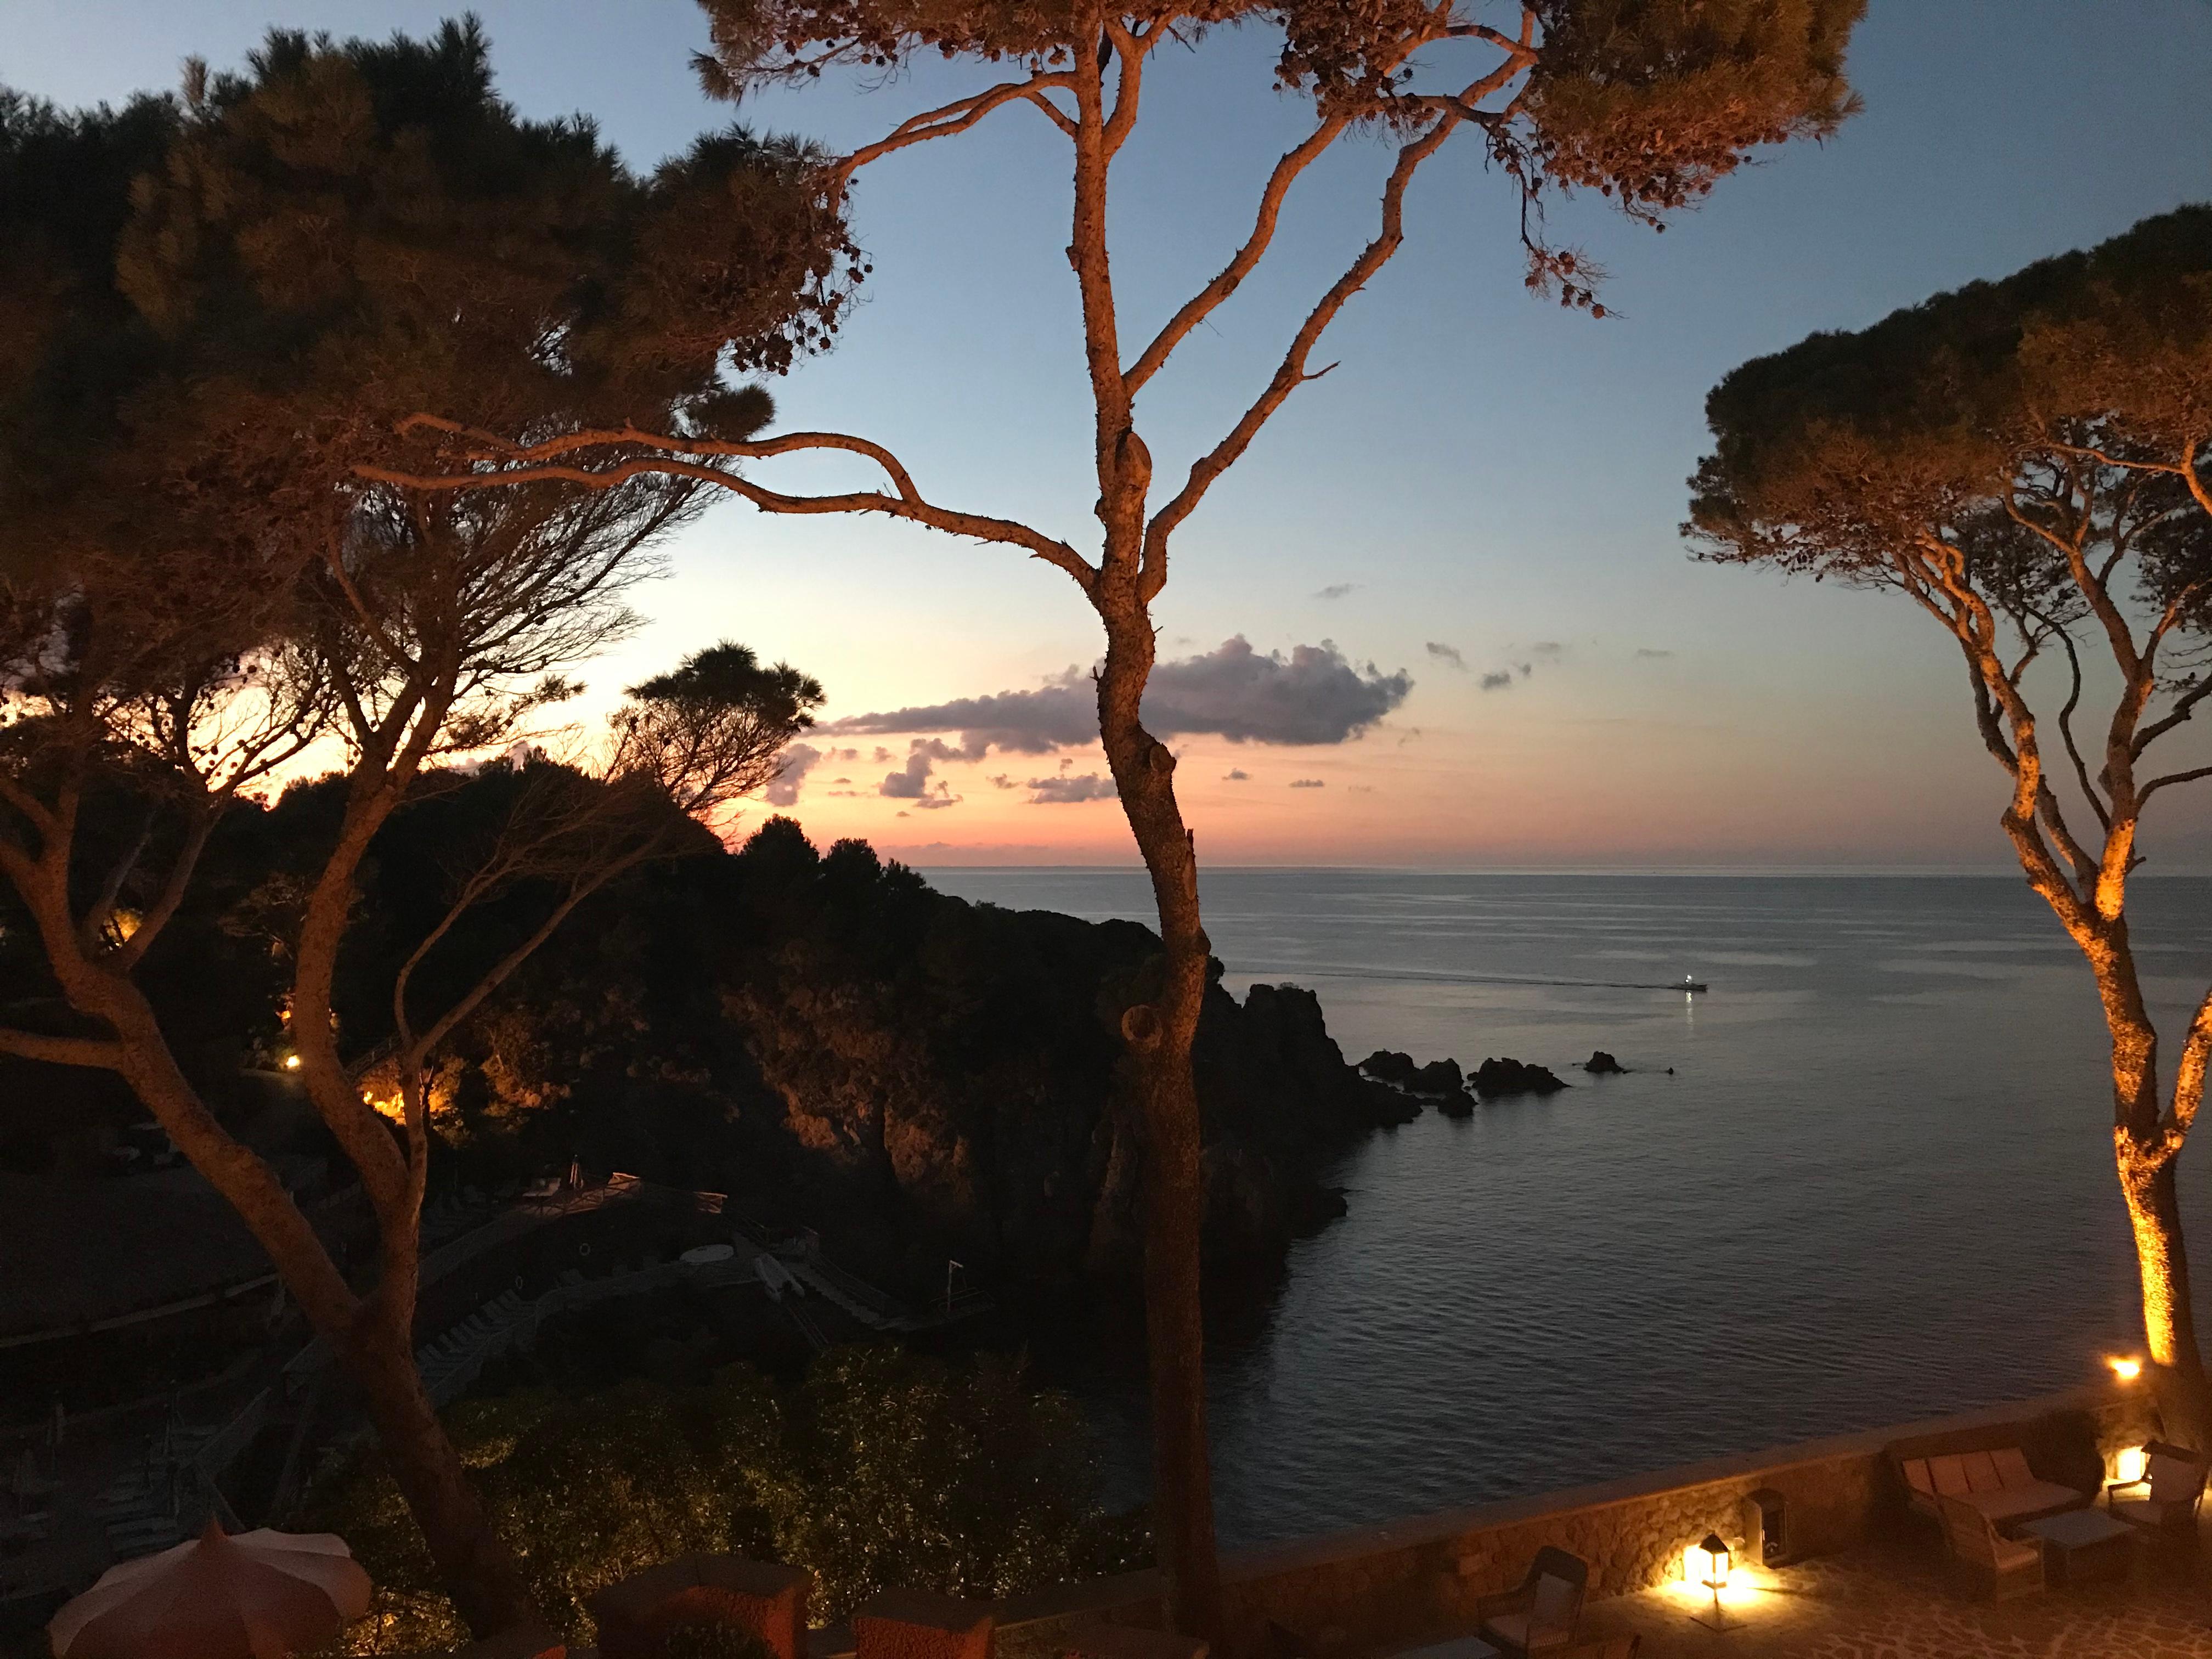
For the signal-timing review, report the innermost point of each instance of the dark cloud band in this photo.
(1315, 695)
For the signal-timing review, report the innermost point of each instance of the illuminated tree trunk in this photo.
(373, 1336)
(1159, 1033)
(477, 1568)
(2146, 1150)
(2177, 1367)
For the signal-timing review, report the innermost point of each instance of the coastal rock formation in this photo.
(1461, 1104)
(947, 1082)
(1494, 1078)
(1439, 1079)
(1601, 1063)
(1388, 1066)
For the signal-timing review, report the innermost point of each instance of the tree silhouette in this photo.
(209, 300)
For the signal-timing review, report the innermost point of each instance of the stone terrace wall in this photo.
(1407, 1579)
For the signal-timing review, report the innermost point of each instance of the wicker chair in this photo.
(2165, 1494)
(2012, 1566)
(1539, 1617)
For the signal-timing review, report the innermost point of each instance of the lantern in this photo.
(2125, 1369)
(1706, 1563)
(2127, 1465)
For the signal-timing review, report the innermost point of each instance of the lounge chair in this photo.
(2165, 1494)
(2012, 1566)
(1539, 1617)
(1997, 1483)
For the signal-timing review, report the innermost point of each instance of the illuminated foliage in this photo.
(878, 1468)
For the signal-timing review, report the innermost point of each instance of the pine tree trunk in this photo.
(478, 1571)
(373, 1338)
(2177, 1367)
(1160, 1035)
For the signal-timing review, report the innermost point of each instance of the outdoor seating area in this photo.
(1997, 1484)
(1897, 1599)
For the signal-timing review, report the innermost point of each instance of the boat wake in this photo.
(1337, 970)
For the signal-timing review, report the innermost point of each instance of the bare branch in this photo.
(914, 509)
(2157, 784)
(954, 118)
(104, 1055)
(2184, 707)
(513, 959)
(1209, 299)
(1291, 372)
(111, 889)
(2066, 732)
(127, 955)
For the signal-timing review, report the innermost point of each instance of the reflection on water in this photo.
(1878, 1185)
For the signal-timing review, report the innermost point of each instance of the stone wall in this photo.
(1401, 1581)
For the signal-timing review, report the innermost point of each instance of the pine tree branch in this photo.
(102, 1054)
(1291, 372)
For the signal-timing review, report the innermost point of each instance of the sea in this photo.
(1865, 1177)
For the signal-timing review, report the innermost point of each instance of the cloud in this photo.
(1360, 788)
(1307, 783)
(1647, 653)
(1443, 653)
(1336, 590)
(840, 779)
(1548, 648)
(1237, 775)
(1314, 695)
(796, 761)
(912, 782)
(1001, 781)
(882, 754)
(1497, 682)
(1064, 791)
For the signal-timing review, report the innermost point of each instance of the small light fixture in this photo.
(291, 1062)
(1707, 1562)
(2127, 1465)
(2126, 1367)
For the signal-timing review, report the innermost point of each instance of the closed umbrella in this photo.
(262, 1594)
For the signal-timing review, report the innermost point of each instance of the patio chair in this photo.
(2165, 1494)
(1539, 1617)
(2012, 1566)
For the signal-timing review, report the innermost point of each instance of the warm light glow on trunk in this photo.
(2154, 1249)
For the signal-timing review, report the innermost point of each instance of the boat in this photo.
(1690, 984)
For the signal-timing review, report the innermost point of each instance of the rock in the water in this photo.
(1601, 1063)
(1457, 1105)
(1433, 1081)
(1509, 1077)
(1388, 1066)
(1438, 1079)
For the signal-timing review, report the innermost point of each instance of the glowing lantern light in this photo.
(1707, 1563)
(2127, 1465)
(291, 1062)
(2127, 1369)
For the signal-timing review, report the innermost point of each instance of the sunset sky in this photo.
(1462, 544)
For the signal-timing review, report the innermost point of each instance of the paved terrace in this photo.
(1902, 1599)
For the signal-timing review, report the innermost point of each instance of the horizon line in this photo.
(1829, 872)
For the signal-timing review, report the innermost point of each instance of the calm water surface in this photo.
(1878, 1185)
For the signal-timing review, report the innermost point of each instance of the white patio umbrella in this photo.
(262, 1594)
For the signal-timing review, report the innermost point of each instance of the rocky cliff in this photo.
(919, 1078)
(950, 1084)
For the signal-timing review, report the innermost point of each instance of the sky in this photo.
(1449, 571)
